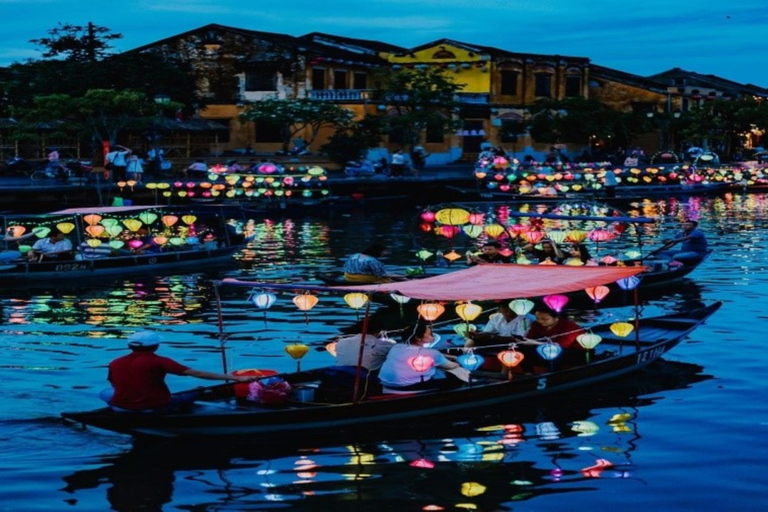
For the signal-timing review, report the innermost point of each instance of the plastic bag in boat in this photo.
(272, 390)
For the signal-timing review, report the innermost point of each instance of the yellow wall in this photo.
(474, 79)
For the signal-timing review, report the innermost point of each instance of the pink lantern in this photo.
(448, 231)
(135, 244)
(599, 235)
(428, 216)
(597, 293)
(556, 302)
(608, 260)
(267, 168)
(476, 218)
(421, 363)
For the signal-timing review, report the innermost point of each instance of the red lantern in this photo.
(510, 358)
(425, 227)
(597, 293)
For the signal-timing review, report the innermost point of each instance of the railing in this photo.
(339, 94)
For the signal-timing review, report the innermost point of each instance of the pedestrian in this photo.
(398, 164)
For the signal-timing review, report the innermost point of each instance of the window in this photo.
(435, 132)
(509, 82)
(340, 79)
(360, 81)
(543, 84)
(318, 78)
(261, 80)
(268, 132)
(572, 86)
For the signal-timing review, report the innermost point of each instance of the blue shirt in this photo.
(363, 264)
(696, 242)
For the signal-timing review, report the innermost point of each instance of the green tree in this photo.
(352, 141)
(417, 99)
(575, 120)
(295, 116)
(77, 43)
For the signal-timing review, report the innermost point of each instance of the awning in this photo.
(106, 209)
(482, 282)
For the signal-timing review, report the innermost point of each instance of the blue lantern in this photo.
(263, 300)
(470, 361)
(549, 351)
(628, 283)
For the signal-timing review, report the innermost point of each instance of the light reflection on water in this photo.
(56, 343)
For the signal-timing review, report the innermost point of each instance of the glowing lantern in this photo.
(148, 217)
(533, 237)
(599, 235)
(188, 219)
(468, 311)
(447, 231)
(400, 299)
(632, 254)
(557, 236)
(41, 231)
(494, 230)
(452, 256)
(94, 230)
(472, 489)
(628, 283)
(135, 244)
(522, 260)
(470, 361)
(176, 241)
(622, 329)
(93, 242)
(597, 293)
(65, 227)
(161, 240)
(132, 224)
(91, 219)
(356, 300)
(116, 244)
(430, 311)
(585, 428)
(17, 231)
(424, 254)
(521, 306)
(463, 329)
(428, 216)
(305, 302)
(472, 231)
(452, 216)
(297, 351)
(573, 262)
(421, 363)
(510, 358)
(114, 230)
(169, 220)
(109, 222)
(476, 218)
(547, 261)
(608, 260)
(549, 351)
(556, 302)
(576, 236)
(589, 341)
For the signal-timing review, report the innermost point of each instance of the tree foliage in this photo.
(352, 141)
(418, 99)
(295, 116)
(721, 123)
(77, 43)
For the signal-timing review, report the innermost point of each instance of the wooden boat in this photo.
(178, 248)
(321, 400)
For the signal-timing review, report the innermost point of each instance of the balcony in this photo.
(474, 98)
(339, 94)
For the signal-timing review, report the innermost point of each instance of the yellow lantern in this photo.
(494, 230)
(468, 311)
(356, 300)
(576, 236)
(65, 227)
(573, 262)
(430, 311)
(132, 224)
(188, 219)
(622, 329)
(472, 489)
(169, 220)
(297, 351)
(93, 242)
(92, 219)
(452, 216)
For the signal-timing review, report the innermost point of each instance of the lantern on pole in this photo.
(622, 329)
(297, 351)
(263, 301)
(305, 302)
(400, 299)
(589, 341)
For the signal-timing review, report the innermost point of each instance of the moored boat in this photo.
(320, 399)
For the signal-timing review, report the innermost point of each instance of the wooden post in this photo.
(222, 336)
(363, 333)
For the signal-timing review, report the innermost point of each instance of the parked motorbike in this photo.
(63, 172)
(16, 165)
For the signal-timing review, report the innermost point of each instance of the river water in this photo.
(687, 434)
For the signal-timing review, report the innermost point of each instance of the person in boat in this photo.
(8, 255)
(56, 246)
(148, 244)
(693, 244)
(138, 379)
(490, 252)
(610, 183)
(549, 251)
(397, 374)
(580, 252)
(365, 267)
(375, 348)
(553, 325)
(504, 326)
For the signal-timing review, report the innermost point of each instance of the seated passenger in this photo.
(54, 247)
(549, 251)
(580, 252)
(489, 253)
(8, 255)
(86, 252)
(503, 326)
(148, 242)
(555, 326)
(375, 348)
(398, 375)
(364, 266)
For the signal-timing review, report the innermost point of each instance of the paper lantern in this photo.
(114, 230)
(400, 299)
(109, 222)
(169, 220)
(470, 361)
(472, 489)
(574, 262)
(608, 260)
(576, 236)
(452, 256)
(176, 241)
(556, 302)
(424, 254)
(622, 329)
(263, 300)
(477, 218)
(547, 261)
(633, 254)
(93, 242)
(91, 219)
(430, 311)
(472, 230)
(41, 231)
(447, 231)
(557, 236)
(305, 301)
(494, 230)
(331, 348)
(468, 311)
(116, 244)
(16, 231)
(589, 340)
(147, 217)
(463, 329)
(428, 216)
(160, 239)
(549, 351)
(297, 350)
(522, 260)
(95, 230)
(532, 237)
(132, 224)
(65, 227)
(356, 300)
(599, 235)
(521, 306)
(452, 216)
(421, 363)
(628, 283)
(597, 293)
(188, 219)
(510, 358)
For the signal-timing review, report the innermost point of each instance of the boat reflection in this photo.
(488, 463)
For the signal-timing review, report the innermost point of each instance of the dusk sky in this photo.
(642, 37)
